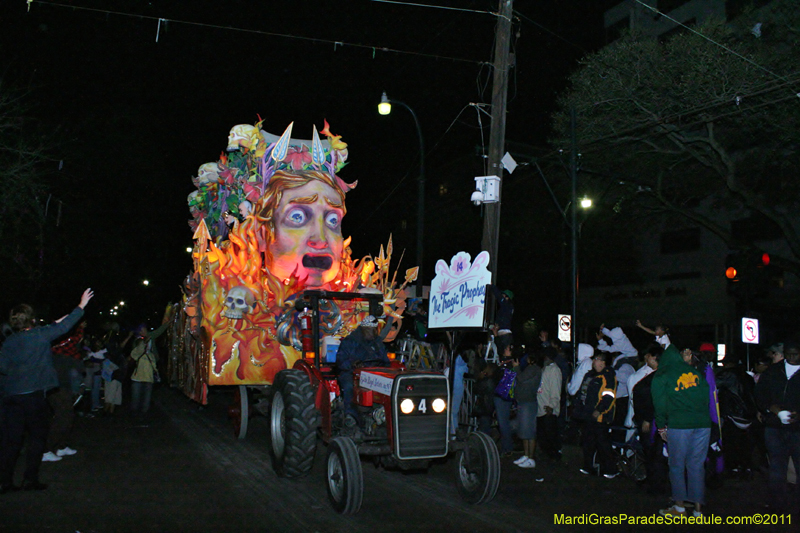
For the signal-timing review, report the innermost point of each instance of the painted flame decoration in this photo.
(248, 350)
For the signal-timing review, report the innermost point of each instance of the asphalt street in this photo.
(182, 469)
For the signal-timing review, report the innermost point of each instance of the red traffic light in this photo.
(730, 273)
(764, 259)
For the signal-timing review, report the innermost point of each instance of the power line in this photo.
(557, 36)
(740, 56)
(434, 7)
(678, 116)
(335, 43)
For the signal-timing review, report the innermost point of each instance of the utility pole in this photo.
(573, 171)
(497, 137)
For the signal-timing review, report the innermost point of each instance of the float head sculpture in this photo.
(303, 214)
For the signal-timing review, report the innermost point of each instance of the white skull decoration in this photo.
(242, 136)
(208, 173)
(240, 301)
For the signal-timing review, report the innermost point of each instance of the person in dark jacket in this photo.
(525, 393)
(60, 401)
(737, 408)
(363, 344)
(595, 406)
(778, 395)
(681, 399)
(503, 336)
(486, 382)
(26, 362)
(644, 416)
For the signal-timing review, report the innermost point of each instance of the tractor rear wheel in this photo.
(478, 469)
(293, 424)
(345, 479)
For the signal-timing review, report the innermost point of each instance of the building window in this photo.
(684, 240)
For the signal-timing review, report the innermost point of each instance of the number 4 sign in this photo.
(750, 330)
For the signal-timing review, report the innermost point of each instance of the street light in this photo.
(384, 108)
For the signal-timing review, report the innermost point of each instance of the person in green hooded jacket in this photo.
(680, 399)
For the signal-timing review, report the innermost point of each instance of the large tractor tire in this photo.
(478, 469)
(345, 479)
(293, 424)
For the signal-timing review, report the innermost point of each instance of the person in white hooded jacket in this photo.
(623, 365)
(585, 353)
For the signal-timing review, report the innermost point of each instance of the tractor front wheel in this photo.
(478, 469)
(345, 479)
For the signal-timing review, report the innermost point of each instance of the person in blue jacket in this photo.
(27, 370)
(362, 345)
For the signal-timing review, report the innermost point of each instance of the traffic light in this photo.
(748, 273)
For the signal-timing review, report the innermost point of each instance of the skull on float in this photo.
(242, 136)
(239, 302)
(208, 173)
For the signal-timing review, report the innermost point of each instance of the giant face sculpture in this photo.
(308, 234)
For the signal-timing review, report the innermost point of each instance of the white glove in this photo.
(785, 416)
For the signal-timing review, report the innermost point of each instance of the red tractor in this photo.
(406, 425)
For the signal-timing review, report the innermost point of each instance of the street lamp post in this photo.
(384, 108)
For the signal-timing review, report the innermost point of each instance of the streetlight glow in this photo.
(188, 250)
(586, 203)
(385, 107)
(146, 283)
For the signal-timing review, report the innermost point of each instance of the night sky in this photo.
(131, 120)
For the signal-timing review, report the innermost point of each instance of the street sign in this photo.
(750, 330)
(565, 328)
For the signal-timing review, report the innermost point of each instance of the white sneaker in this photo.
(50, 456)
(529, 463)
(66, 451)
(521, 460)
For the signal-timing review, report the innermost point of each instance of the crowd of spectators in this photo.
(52, 372)
(691, 417)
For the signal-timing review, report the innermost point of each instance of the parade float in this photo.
(273, 288)
(266, 221)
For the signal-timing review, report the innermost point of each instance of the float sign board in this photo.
(458, 292)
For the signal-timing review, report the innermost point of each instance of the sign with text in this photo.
(750, 330)
(565, 328)
(458, 292)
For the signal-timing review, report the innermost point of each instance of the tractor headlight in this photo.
(379, 415)
(439, 405)
(407, 406)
